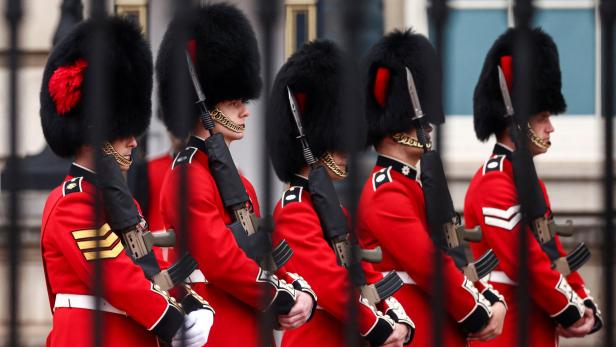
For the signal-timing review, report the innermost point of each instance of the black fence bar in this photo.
(353, 16)
(522, 61)
(13, 15)
(97, 111)
(182, 108)
(268, 12)
(608, 12)
(438, 13)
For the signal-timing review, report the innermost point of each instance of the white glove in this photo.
(197, 325)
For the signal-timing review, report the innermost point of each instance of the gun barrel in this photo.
(472, 235)
(371, 255)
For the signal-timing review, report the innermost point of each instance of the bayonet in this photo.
(205, 116)
(410, 83)
(308, 156)
(502, 82)
(194, 78)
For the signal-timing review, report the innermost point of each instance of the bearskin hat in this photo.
(224, 50)
(128, 65)
(314, 74)
(388, 104)
(488, 105)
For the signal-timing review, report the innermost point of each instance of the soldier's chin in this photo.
(234, 136)
(536, 150)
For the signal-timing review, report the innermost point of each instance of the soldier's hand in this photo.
(397, 337)
(495, 324)
(580, 328)
(197, 325)
(299, 314)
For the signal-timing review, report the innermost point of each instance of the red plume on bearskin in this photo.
(507, 67)
(128, 67)
(65, 86)
(381, 84)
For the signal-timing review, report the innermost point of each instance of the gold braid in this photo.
(536, 140)
(223, 120)
(120, 159)
(328, 160)
(406, 140)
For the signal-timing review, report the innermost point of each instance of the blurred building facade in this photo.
(572, 169)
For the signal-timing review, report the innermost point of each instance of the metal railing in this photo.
(351, 14)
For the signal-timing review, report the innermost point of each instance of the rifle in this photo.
(334, 224)
(252, 239)
(531, 196)
(124, 219)
(445, 227)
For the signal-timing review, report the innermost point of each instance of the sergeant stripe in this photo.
(88, 233)
(106, 254)
(102, 243)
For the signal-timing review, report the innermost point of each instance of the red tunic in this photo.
(391, 214)
(296, 221)
(491, 202)
(68, 244)
(234, 283)
(157, 169)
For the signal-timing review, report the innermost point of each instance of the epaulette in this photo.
(494, 164)
(293, 194)
(184, 157)
(381, 177)
(72, 186)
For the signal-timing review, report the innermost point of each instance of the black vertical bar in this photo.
(97, 111)
(608, 11)
(522, 88)
(353, 16)
(182, 106)
(438, 13)
(268, 15)
(13, 15)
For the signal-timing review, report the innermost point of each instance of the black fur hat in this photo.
(224, 49)
(315, 75)
(488, 106)
(388, 104)
(128, 65)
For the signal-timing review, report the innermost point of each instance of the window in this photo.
(136, 10)
(300, 24)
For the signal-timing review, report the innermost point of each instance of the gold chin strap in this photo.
(536, 140)
(120, 159)
(328, 160)
(223, 120)
(406, 140)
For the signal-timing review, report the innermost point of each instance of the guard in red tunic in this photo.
(561, 305)
(310, 79)
(392, 211)
(135, 312)
(222, 48)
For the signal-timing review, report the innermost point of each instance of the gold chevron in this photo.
(101, 243)
(107, 254)
(88, 233)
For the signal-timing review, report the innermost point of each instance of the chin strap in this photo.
(120, 159)
(328, 160)
(409, 141)
(536, 140)
(226, 122)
